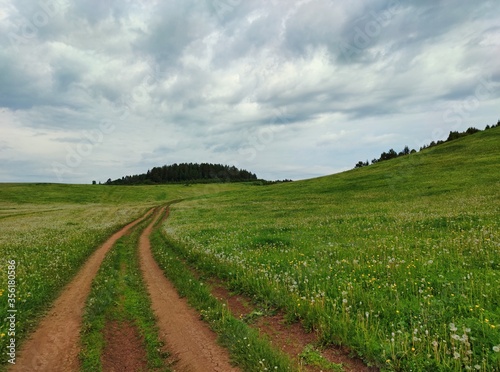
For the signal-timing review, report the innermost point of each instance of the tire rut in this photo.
(54, 346)
(188, 338)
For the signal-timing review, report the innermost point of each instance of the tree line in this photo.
(391, 154)
(187, 173)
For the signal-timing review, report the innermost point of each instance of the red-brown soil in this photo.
(290, 338)
(189, 339)
(124, 349)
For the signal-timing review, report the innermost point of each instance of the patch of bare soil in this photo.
(189, 339)
(240, 306)
(124, 349)
(54, 346)
(290, 338)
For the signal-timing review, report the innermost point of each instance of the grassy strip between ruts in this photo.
(118, 294)
(246, 347)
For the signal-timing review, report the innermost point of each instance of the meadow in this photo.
(50, 230)
(400, 261)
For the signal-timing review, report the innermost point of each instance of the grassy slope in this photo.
(446, 193)
(431, 216)
(463, 165)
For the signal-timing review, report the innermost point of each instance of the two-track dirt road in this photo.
(192, 343)
(55, 344)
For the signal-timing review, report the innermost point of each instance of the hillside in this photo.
(466, 166)
(397, 260)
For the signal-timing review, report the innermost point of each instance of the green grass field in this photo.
(400, 260)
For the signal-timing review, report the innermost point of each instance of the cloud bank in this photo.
(91, 90)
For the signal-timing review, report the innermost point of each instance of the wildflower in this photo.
(456, 355)
(453, 328)
(496, 349)
(477, 367)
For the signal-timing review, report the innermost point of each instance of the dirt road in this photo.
(54, 346)
(186, 336)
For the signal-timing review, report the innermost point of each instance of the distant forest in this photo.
(187, 173)
(391, 154)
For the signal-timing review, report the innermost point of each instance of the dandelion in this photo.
(453, 328)
(456, 355)
(477, 367)
(496, 349)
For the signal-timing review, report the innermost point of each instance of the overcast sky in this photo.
(98, 89)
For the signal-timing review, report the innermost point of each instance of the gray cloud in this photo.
(287, 89)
